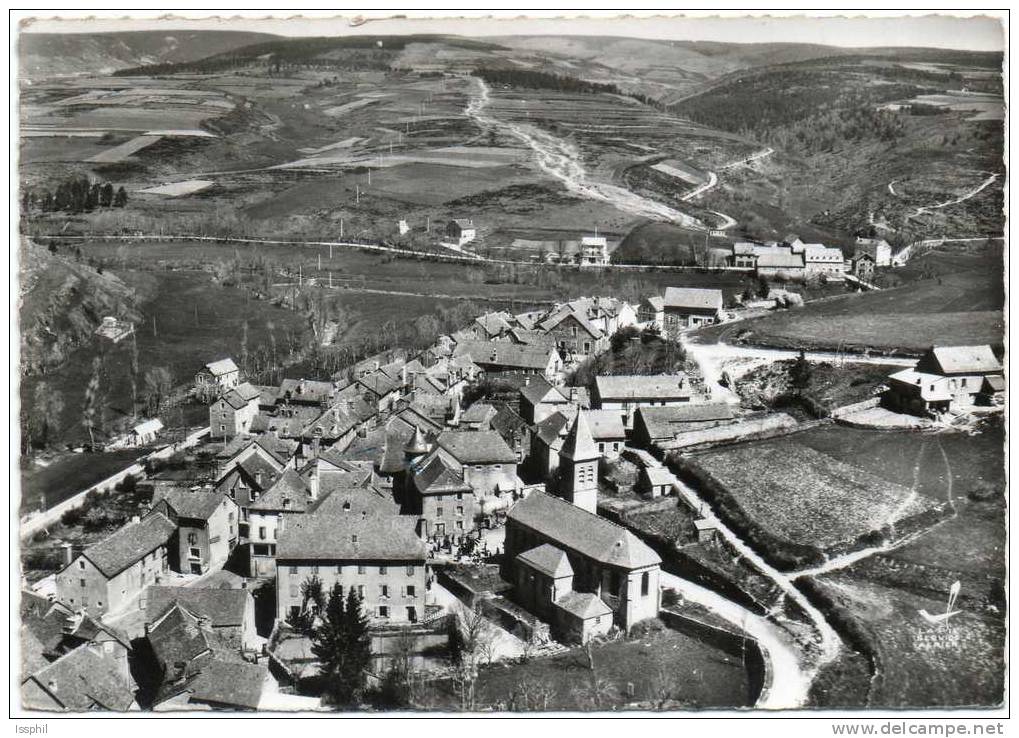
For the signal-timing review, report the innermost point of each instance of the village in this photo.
(487, 484)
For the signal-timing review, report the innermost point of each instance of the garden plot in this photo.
(678, 170)
(179, 189)
(805, 497)
(124, 151)
(337, 111)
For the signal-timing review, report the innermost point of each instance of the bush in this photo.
(72, 518)
(670, 598)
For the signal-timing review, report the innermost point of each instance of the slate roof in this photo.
(228, 683)
(583, 605)
(605, 424)
(434, 476)
(288, 492)
(508, 424)
(356, 502)
(548, 430)
(658, 475)
(588, 534)
(83, 679)
(129, 544)
(306, 390)
(562, 314)
(223, 607)
(379, 383)
(221, 367)
(479, 412)
(819, 253)
(780, 260)
(663, 422)
(547, 559)
(476, 447)
(198, 504)
(241, 395)
(493, 324)
(505, 354)
(537, 388)
(177, 636)
(149, 426)
(642, 386)
(655, 302)
(966, 359)
(336, 536)
(692, 298)
(930, 387)
(995, 383)
(579, 444)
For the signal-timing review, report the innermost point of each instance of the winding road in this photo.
(962, 198)
(561, 159)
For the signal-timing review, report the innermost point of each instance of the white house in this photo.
(594, 251)
(218, 375)
(461, 231)
(879, 248)
(145, 433)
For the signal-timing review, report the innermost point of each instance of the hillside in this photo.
(56, 54)
(62, 303)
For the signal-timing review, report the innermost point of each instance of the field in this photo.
(946, 298)
(66, 475)
(956, 663)
(804, 497)
(696, 675)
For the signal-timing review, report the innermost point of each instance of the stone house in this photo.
(234, 412)
(207, 524)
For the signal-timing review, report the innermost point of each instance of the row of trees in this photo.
(74, 195)
(534, 79)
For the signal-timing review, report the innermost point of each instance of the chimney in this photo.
(68, 553)
(258, 477)
(527, 381)
(313, 482)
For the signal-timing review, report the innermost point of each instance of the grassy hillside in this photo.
(49, 54)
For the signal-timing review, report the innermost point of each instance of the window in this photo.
(383, 611)
(194, 553)
(438, 498)
(645, 582)
(438, 512)
(412, 614)
(261, 533)
(293, 569)
(360, 569)
(410, 571)
(459, 495)
(339, 569)
(81, 582)
(261, 549)
(601, 448)
(411, 590)
(459, 525)
(81, 564)
(251, 495)
(597, 620)
(383, 590)
(353, 538)
(382, 570)
(294, 589)
(460, 511)
(360, 591)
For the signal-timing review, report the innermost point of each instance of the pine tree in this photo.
(357, 650)
(120, 200)
(343, 647)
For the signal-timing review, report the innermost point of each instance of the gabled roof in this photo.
(655, 302)
(177, 636)
(642, 386)
(605, 424)
(819, 253)
(149, 426)
(566, 313)
(658, 475)
(129, 544)
(583, 605)
(379, 383)
(780, 260)
(966, 359)
(232, 683)
(287, 493)
(505, 354)
(306, 390)
(493, 324)
(579, 444)
(434, 476)
(221, 367)
(550, 429)
(537, 389)
(590, 535)
(82, 680)
(930, 387)
(198, 504)
(693, 298)
(995, 383)
(335, 536)
(477, 447)
(508, 424)
(241, 395)
(547, 559)
(663, 422)
(222, 607)
(479, 412)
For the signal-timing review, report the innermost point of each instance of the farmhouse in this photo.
(109, 574)
(207, 526)
(651, 312)
(230, 613)
(652, 425)
(364, 547)
(145, 433)
(217, 376)
(234, 412)
(781, 265)
(497, 357)
(878, 248)
(689, 307)
(573, 334)
(461, 231)
(945, 376)
(607, 560)
(625, 393)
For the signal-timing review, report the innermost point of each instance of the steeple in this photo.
(579, 444)
(418, 445)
